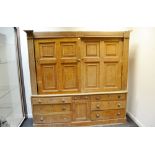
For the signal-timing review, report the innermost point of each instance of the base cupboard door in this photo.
(81, 108)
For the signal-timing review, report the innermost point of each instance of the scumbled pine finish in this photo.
(78, 78)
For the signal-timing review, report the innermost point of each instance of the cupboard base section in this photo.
(79, 110)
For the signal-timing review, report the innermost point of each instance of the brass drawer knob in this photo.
(41, 118)
(97, 115)
(98, 106)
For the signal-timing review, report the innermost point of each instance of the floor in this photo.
(130, 123)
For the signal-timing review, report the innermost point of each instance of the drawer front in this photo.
(51, 100)
(108, 97)
(50, 108)
(104, 105)
(39, 100)
(108, 114)
(79, 98)
(117, 97)
(99, 97)
(46, 119)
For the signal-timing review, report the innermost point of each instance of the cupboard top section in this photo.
(78, 34)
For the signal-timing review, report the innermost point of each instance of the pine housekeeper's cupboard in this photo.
(78, 78)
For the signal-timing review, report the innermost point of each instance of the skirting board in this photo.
(135, 119)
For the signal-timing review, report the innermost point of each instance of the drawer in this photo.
(39, 100)
(108, 114)
(46, 119)
(103, 105)
(85, 97)
(117, 97)
(51, 100)
(99, 97)
(50, 108)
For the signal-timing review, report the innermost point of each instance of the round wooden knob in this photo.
(97, 106)
(41, 118)
(39, 101)
(86, 97)
(63, 101)
(118, 113)
(64, 108)
(97, 97)
(119, 104)
(97, 115)
(119, 96)
(75, 98)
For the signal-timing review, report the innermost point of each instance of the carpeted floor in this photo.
(130, 123)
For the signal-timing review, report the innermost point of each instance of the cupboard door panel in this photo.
(49, 76)
(112, 76)
(47, 49)
(92, 78)
(69, 65)
(91, 66)
(47, 65)
(69, 76)
(112, 66)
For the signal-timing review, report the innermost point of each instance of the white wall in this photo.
(141, 86)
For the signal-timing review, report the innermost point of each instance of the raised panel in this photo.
(69, 76)
(112, 49)
(47, 50)
(80, 111)
(92, 49)
(68, 49)
(49, 76)
(112, 76)
(92, 75)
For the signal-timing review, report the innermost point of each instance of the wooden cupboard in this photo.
(78, 78)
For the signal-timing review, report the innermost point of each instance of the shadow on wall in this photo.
(133, 49)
